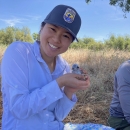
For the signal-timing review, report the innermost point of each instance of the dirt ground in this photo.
(93, 110)
(0, 105)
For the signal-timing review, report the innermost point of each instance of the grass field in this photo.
(93, 103)
(2, 49)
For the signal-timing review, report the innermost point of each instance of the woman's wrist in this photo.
(68, 93)
(60, 82)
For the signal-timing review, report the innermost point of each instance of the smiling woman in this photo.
(38, 88)
(54, 40)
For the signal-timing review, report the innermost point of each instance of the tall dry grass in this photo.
(93, 104)
(2, 49)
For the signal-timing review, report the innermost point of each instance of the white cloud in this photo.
(12, 22)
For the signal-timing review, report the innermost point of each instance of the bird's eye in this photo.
(77, 67)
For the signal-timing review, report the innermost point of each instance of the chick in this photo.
(76, 69)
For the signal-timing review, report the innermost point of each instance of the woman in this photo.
(37, 86)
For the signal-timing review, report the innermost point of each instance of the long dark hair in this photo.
(38, 36)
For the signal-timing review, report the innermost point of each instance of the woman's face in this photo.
(54, 40)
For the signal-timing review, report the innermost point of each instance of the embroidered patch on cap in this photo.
(69, 15)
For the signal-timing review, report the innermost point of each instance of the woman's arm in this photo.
(21, 102)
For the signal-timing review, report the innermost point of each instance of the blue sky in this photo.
(99, 19)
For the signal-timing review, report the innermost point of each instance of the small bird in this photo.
(76, 69)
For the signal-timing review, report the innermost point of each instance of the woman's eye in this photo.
(66, 36)
(53, 29)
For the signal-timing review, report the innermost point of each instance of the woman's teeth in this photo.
(53, 46)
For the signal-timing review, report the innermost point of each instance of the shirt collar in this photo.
(36, 48)
(60, 62)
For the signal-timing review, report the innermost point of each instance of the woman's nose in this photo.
(56, 38)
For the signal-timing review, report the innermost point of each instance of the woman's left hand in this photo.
(69, 91)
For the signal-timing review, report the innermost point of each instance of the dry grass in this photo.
(93, 104)
(2, 49)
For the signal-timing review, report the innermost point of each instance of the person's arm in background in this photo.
(123, 89)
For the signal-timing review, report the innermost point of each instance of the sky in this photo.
(99, 19)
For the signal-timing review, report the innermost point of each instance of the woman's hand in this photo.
(72, 80)
(73, 83)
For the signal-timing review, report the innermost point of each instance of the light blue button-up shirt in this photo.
(32, 99)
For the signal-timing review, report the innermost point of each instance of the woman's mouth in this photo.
(52, 46)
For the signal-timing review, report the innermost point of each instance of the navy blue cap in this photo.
(66, 17)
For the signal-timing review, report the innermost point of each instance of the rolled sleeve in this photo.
(64, 106)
